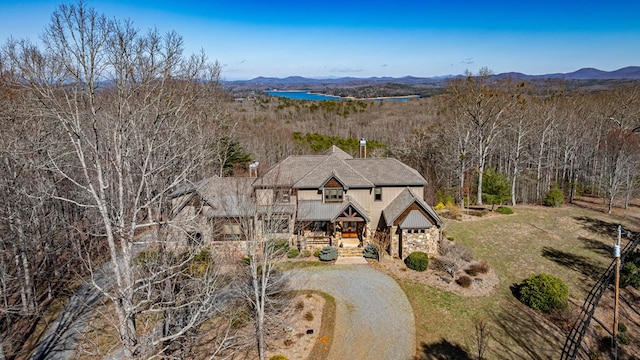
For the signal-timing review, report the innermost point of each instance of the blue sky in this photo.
(375, 38)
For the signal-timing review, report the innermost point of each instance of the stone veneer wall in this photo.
(426, 242)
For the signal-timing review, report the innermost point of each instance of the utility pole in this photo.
(616, 254)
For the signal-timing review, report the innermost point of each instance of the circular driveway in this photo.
(374, 319)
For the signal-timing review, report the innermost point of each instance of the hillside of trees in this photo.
(536, 135)
(101, 122)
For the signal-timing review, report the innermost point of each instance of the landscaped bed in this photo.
(572, 243)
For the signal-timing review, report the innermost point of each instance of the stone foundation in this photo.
(426, 242)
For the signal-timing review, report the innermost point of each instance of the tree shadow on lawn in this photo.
(579, 263)
(524, 333)
(597, 247)
(598, 226)
(442, 350)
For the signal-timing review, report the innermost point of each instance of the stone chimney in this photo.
(363, 148)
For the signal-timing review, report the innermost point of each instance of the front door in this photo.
(350, 229)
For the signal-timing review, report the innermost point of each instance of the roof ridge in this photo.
(312, 169)
(356, 171)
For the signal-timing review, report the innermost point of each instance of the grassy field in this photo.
(571, 242)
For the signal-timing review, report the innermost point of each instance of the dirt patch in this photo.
(481, 285)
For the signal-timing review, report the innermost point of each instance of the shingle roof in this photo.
(402, 202)
(415, 220)
(387, 172)
(311, 171)
(211, 188)
(336, 151)
(227, 196)
(289, 171)
(332, 166)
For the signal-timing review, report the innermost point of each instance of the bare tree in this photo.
(481, 102)
(132, 111)
(621, 152)
(264, 229)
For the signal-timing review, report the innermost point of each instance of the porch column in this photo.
(393, 246)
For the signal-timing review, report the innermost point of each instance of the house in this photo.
(327, 199)
(213, 210)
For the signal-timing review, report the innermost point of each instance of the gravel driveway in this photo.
(374, 319)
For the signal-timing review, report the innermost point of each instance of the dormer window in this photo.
(377, 194)
(333, 194)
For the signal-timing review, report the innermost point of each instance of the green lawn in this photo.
(572, 243)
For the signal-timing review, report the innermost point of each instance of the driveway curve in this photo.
(374, 319)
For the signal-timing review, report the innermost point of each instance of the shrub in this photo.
(544, 292)
(555, 196)
(293, 253)
(280, 245)
(316, 253)
(464, 281)
(630, 272)
(441, 264)
(300, 305)
(278, 357)
(481, 267)
(454, 211)
(622, 327)
(505, 210)
(456, 251)
(440, 206)
(305, 253)
(328, 253)
(146, 259)
(444, 197)
(495, 187)
(418, 261)
(623, 338)
(370, 252)
(308, 316)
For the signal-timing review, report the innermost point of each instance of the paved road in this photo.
(374, 319)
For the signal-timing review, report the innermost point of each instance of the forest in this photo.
(584, 139)
(101, 122)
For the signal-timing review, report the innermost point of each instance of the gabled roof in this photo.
(402, 202)
(289, 171)
(415, 220)
(317, 210)
(226, 196)
(312, 171)
(332, 166)
(336, 151)
(349, 202)
(214, 188)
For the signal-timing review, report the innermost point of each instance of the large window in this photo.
(333, 194)
(377, 194)
(281, 196)
(319, 226)
(276, 225)
(231, 232)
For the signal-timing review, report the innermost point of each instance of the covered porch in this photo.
(337, 224)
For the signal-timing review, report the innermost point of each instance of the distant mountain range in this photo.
(626, 73)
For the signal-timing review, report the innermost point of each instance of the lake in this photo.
(307, 95)
(304, 95)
